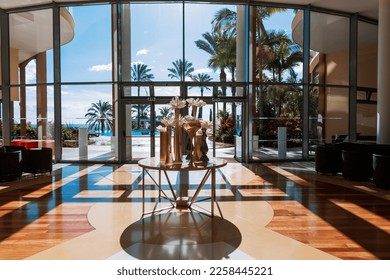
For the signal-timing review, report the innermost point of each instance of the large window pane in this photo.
(87, 56)
(330, 57)
(328, 114)
(215, 42)
(367, 65)
(87, 122)
(156, 42)
(281, 107)
(278, 53)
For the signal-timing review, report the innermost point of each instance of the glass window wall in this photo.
(198, 50)
(277, 102)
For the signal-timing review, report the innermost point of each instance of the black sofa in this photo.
(9, 165)
(381, 175)
(353, 160)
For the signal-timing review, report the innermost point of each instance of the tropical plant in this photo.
(180, 70)
(69, 132)
(31, 132)
(99, 116)
(225, 128)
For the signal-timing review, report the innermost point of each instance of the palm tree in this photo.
(99, 116)
(180, 70)
(164, 112)
(140, 73)
(285, 56)
(139, 112)
(201, 78)
(225, 20)
(222, 49)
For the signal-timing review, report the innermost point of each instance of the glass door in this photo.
(225, 124)
(140, 130)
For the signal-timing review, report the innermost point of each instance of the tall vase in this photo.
(163, 147)
(191, 127)
(197, 153)
(169, 158)
(204, 148)
(177, 139)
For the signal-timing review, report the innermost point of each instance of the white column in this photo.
(83, 143)
(240, 48)
(383, 112)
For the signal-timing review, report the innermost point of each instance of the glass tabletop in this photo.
(154, 163)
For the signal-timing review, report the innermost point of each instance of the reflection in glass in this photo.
(331, 56)
(328, 113)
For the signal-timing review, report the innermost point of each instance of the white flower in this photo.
(168, 121)
(190, 101)
(177, 103)
(161, 128)
(206, 124)
(195, 102)
(200, 103)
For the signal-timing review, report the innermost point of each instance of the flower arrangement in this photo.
(196, 129)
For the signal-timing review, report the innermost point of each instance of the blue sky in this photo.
(156, 40)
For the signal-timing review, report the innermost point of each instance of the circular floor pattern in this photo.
(181, 235)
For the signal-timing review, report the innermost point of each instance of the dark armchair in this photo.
(37, 160)
(9, 166)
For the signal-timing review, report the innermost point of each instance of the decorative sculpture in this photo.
(196, 129)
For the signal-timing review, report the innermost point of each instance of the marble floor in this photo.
(269, 211)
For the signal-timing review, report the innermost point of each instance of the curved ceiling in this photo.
(36, 28)
(367, 8)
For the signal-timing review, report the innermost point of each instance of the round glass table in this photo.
(209, 167)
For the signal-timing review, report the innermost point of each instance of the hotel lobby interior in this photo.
(284, 185)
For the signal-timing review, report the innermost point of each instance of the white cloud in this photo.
(101, 67)
(142, 52)
(137, 62)
(203, 70)
(31, 72)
